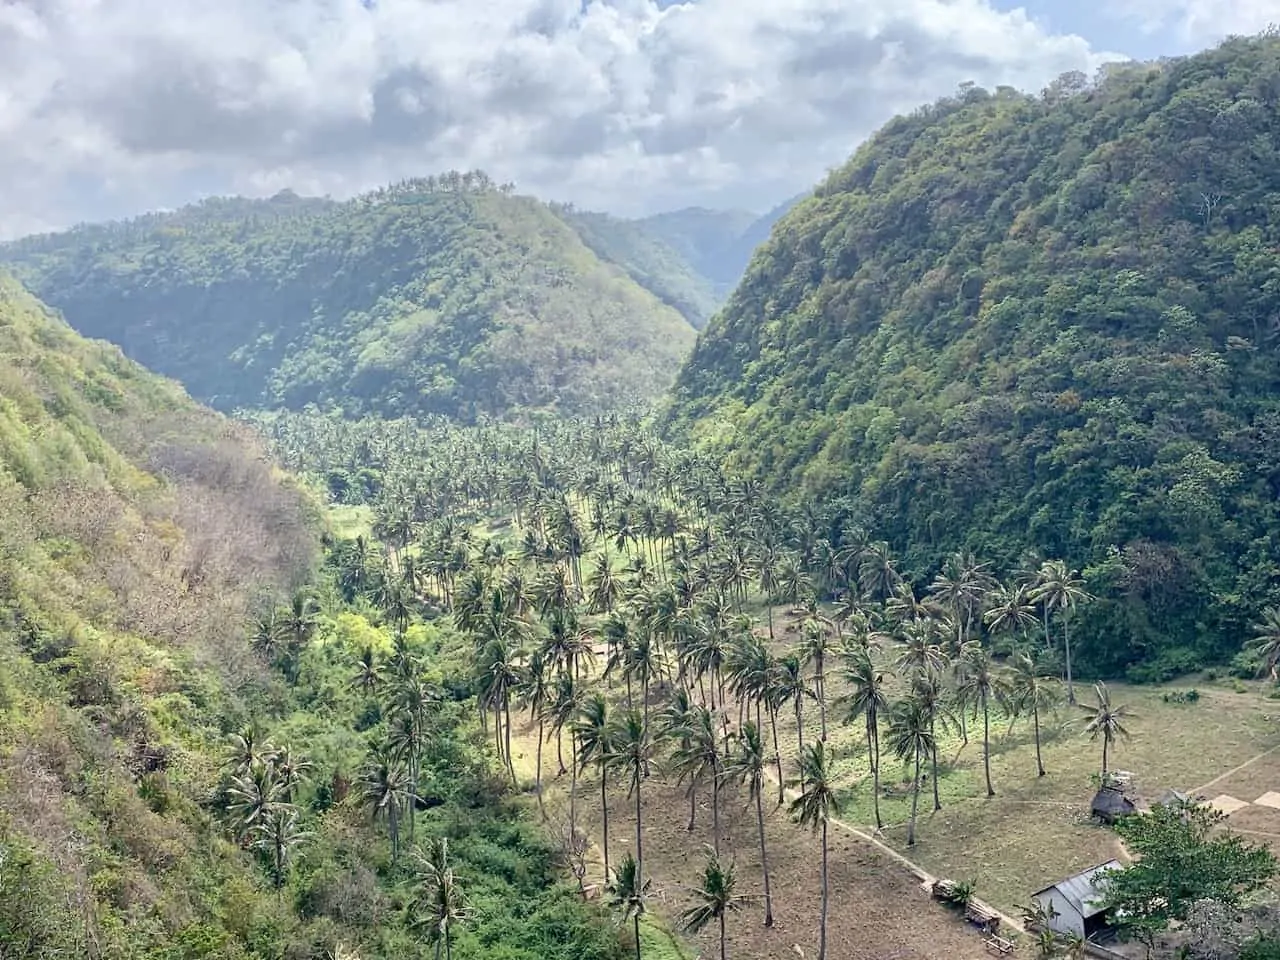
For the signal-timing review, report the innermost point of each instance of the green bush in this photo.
(1169, 665)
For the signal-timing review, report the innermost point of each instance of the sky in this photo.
(113, 107)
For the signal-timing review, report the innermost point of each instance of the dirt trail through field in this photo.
(1234, 770)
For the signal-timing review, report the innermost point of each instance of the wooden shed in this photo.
(1073, 904)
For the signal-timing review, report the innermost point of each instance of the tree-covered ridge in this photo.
(446, 295)
(1049, 323)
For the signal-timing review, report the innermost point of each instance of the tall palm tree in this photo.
(535, 691)
(630, 753)
(910, 737)
(279, 836)
(980, 681)
(368, 675)
(438, 903)
(675, 721)
(814, 808)
(747, 765)
(1059, 589)
(1030, 690)
(1106, 720)
(384, 789)
(594, 732)
(628, 893)
(867, 699)
(698, 758)
(793, 688)
(714, 898)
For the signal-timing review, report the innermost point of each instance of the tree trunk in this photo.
(986, 744)
(1066, 643)
(511, 767)
(822, 697)
(715, 807)
(560, 750)
(693, 807)
(1106, 742)
(937, 802)
(635, 920)
(604, 812)
(542, 809)
(1035, 719)
(639, 847)
(915, 804)
(721, 935)
(822, 921)
(769, 607)
(777, 754)
(764, 856)
(573, 788)
(873, 748)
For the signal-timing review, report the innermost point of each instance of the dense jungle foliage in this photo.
(1014, 322)
(185, 760)
(443, 295)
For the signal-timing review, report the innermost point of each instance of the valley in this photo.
(497, 579)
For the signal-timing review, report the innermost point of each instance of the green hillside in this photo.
(135, 532)
(690, 259)
(649, 260)
(1014, 322)
(444, 295)
(187, 767)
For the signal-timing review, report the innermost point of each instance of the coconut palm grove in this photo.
(445, 573)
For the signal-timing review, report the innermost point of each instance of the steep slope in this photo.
(1012, 322)
(649, 260)
(155, 644)
(136, 529)
(444, 296)
(690, 258)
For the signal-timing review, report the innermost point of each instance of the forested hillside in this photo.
(1049, 323)
(190, 763)
(445, 295)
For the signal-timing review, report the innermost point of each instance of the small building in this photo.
(1073, 905)
(1110, 804)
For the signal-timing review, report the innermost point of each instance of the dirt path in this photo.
(1234, 770)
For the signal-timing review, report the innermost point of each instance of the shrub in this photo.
(1169, 665)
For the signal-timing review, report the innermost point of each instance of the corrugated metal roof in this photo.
(1081, 891)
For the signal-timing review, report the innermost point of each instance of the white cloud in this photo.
(109, 106)
(1204, 21)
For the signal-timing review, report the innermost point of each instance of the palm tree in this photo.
(1059, 588)
(628, 892)
(980, 680)
(815, 651)
(793, 688)
(867, 699)
(714, 898)
(1106, 720)
(910, 736)
(254, 795)
(698, 758)
(630, 753)
(1029, 689)
(594, 731)
(746, 765)
(534, 690)
(278, 836)
(384, 789)
(674, 723)
(368, 676)
(1266, 640)
(437, 903)
(814, 808)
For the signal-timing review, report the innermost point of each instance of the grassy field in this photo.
(1037, 830)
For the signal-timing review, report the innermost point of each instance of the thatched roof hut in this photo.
(1109, 805)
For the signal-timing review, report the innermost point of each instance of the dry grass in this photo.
(878, 909)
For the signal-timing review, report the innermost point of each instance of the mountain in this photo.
(690, 259)
(136, 532)
(444, 295)
(1014, 322)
